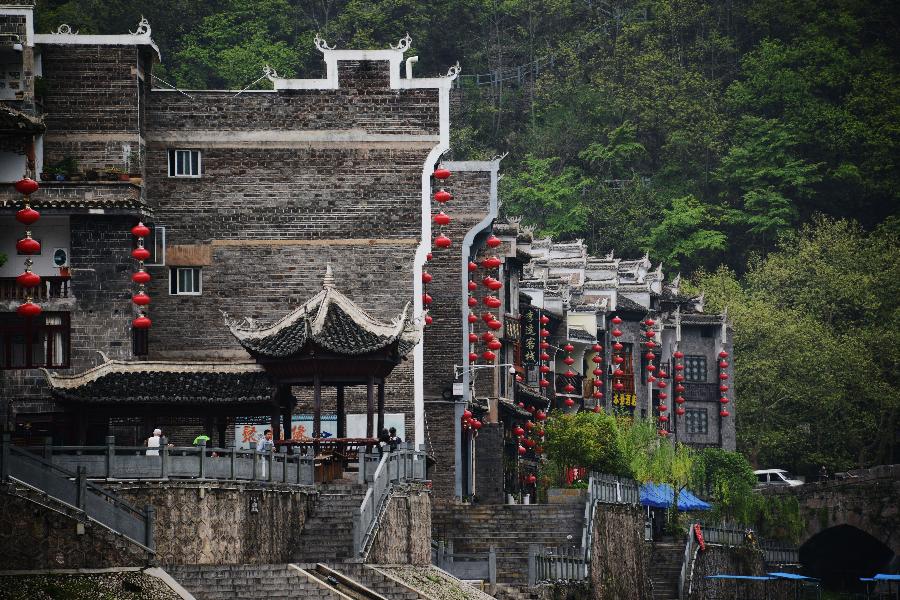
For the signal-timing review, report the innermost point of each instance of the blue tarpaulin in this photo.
(742, 577)
(660, 495)
(794, 576)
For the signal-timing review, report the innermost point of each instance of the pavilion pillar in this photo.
(286, 415)
(208, 425)
(317, 406)
(380, 405)
(341, 413)
(370, 406)
(222, 426)
(82, 427)
(275, 424)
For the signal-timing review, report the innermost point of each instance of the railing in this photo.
(111, 462)
(74, 490)
(400, 466)
(52, 287)
(577, 382)
(701, 392)
(605, 489)
(731, 534)
(469, 567)
(556, 564)
(687, 565)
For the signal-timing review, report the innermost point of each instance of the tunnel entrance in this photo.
(840, 555)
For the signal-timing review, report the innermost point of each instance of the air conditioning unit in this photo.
(61, 257)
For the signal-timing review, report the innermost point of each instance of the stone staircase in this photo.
(510, 529)
(502, 591)
(327, 535)
(377, 581)
(250, 582)
(666, 557)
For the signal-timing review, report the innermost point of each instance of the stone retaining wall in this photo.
(405, 533)
(618, 554)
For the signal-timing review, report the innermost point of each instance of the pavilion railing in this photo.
(73, 489)
(112, 462)
(403, 465)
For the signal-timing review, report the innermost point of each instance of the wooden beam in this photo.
(341, 413)
(380, 405)
(370, 406)
(317, 407)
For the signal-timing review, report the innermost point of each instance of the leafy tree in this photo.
(584, 439)
(727, 479)
(687, 236)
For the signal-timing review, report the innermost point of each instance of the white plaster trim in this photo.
(76, 39)
(234, 138)
(28, 12)
(122, 366)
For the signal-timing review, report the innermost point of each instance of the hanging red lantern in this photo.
(544, 383)
(723, 400)
(495, 325)
(618, 373)
(545, 345)
(426, 277)
(597, 395)
(723, 364)
(649, 322)
(544, 333)
(540, 416)
(544, 369)
(723, 388)
(662, 374)
(619, 386)
(26, 186)
(443, 241)
(616, 332)
(651, 367)
(28, 309)
(663, 419)
(597, 408)
(650, 356)
(141, 322)
(472, 267)
(651, 379)
(545, 356)
(679, 411)
(569, 402)
(428, 319)
(678, 354)
(618, 346)
(650, 344)
(598, 372)
(486, 317)
(28, 245)
(532, 479)
(663, 408)
(493, 241)
(140, 253)
(28, 279)
(473, 301)
(597, 348)
(467, 414)
(441, 173)
(442, 218)
(662, 384)
(522, 450)
(679, 389)
(597, 359)
(679, 400)
(569, 373)
(472, 286)
(141, 299)
(544, 319)
(679, 367)
(569, 388)
(569, 360)
(723, 376)
(495, 284)
(427, 299)
(27, 216)
(473, 356)
(618, 360)
(663, 395)
(472, 318)
(140, 230)
(616, 320)
(723, 354)
(568, 347)
(141, 277)
(487, 336)
(518, 431)
(442, 196)
(473, 338)
(491, 262)
(530, 443)
(679, 377)
(476, 425)
(724, 413)
(529, 425)
(492, 302)
(488, 356)
(650, 333)
(429, 256)
(495, 345)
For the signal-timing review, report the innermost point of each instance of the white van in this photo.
(767, 477)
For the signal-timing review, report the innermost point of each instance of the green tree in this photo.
(727, 479)
(584, 439)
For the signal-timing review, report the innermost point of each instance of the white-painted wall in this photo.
(12, 166)
(52, 232)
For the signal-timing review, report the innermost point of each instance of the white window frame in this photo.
(172, 160)
(173, 272)
(158, 240)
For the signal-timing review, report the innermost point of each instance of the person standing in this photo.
(266, 442)
(394, 440)
(153, 442)
(384, 440)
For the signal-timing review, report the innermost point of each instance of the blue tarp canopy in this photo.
(792, 576)
(886, 577)
(743, 577)
(660, 495)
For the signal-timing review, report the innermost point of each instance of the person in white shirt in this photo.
(153, 442)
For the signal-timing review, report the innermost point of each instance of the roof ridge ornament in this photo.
(453, 71)
(328, 281)
(321, 44)
(403, 44)
(143, 27)
(65, 29)
(270, 73)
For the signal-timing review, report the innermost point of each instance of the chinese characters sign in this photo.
(531, 328)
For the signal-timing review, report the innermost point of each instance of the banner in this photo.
(251, 429)
(531, 327)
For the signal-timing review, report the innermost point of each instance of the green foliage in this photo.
(727, 479)
(584, 439)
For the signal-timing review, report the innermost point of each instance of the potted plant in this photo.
(92, 175)
(57, 173)
(112, 174)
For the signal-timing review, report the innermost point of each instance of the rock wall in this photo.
(405, 533)
(222, 523)
(618, 554)
(737, 560)
(40, 534)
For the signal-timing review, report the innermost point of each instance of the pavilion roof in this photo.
(330, 320)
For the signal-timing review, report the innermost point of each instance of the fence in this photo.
(556, 564)
(111, 462)
(732, 534)
(74, 489)
(399, 466)
(469, 567)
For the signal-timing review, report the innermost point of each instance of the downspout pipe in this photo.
(468, 247)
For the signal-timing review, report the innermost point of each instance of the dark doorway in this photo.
(840, 555)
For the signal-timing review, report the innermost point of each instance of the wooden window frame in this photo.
(13, 325)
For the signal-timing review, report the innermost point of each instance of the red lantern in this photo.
(141, 299)
(472, 267)
(467, 414)
(545, 356)
(568, 347)
(522, 450)
(441, 173)
(27, 186)
(678, 354)
(493, 241)
(597, 408)
(650, 344)
(495, 284)
(473, 338)
(530, 443)
(544, 319)
(141, 322)
(569, 373)
(597, 348)
(443, 241)
(141, 276)
(651, 367)
(723, 376)
(492, 262)
(649, 322)
(679, 411)
(616, 332)
(532, 479)
(723, 364)
(618, 346)
(472, 318)
(679, 367)
(723, 354)
(495, 325)
(679, 400)
(544, 383)
(724, 413)
(616, 320)
(663, 395)
(528, 424)
(651, 379)
(428, 319)
(426, 277)
(488, 356)
(518, 431)
(663, 408)
(663, 419)
(597, 395)
(443, 196)
(487, 336)
(619, 386)
(618, 373)
(569, 360)
(598, 372)
(473, 286)
(28, 279)
(442, 218)
(663, 432)
(569, 402)
(27, 216)
(476, 425)
(723, 388)
(569, 388)
(473, 302)
(492, 302)
(140, 230)
(650, 356)
(488, 317)
(679, 377)
(473, 356)
(679, 389)
(429, 256)
(544, 333)
(28, 245)
(427, 299)
(545, 369)
(597, 359)
(495, 345)
(662, 384)
(545, 345)
(28, 309)
(723, 400)
(140, 253)
(540, 416)
(650, 333)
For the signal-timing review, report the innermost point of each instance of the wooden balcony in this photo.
(52, 287)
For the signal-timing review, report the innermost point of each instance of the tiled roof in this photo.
(330, 320)
(623, 303)
(164, 382)
(14, 121)
(577, 334)
(77, 195)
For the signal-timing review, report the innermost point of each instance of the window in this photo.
(695, 368)
(41, 341)
(185, 281)
(155, 243)
(184, 163)
(696, 420)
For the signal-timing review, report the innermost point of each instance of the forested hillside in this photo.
(748, 134)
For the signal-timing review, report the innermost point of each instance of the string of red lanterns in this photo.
(544, 345)
(678, 367)
(569, 374)
(598, 376)
(441, 219)
(723, 383)
(141, 277)
(657, 376)
(28, 246)
(617, 358)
